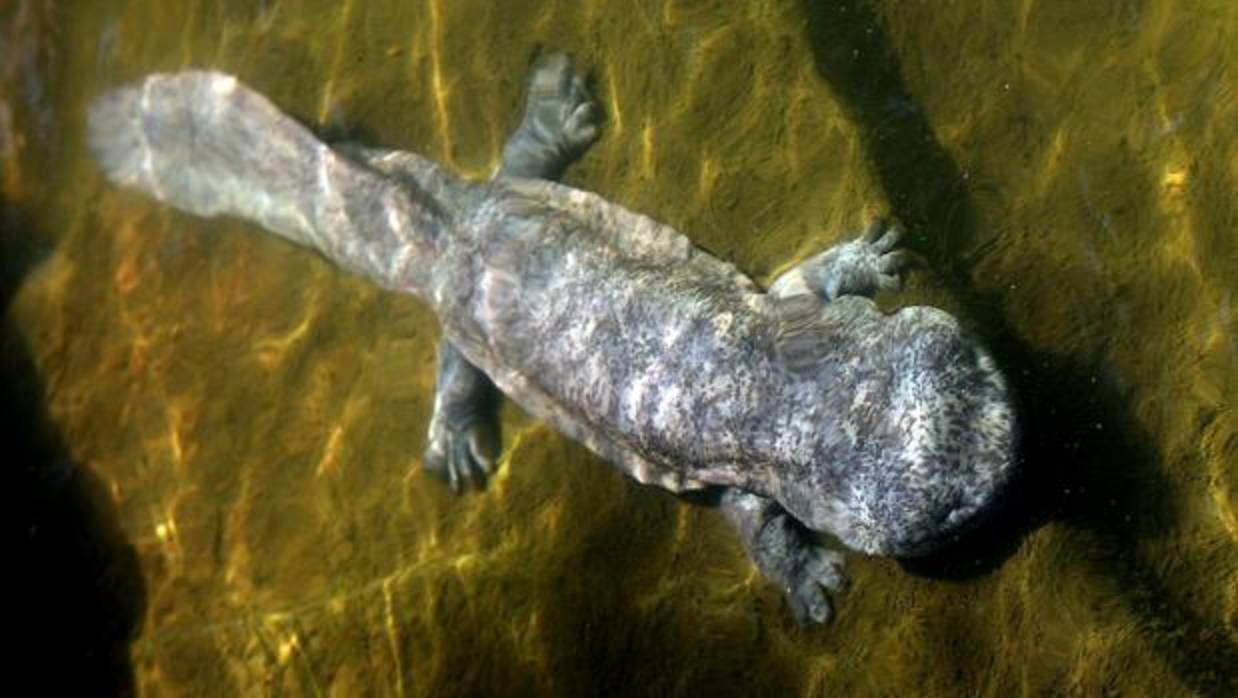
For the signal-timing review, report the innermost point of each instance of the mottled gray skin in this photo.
(806, 407)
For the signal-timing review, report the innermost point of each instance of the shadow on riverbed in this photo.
(1086, 462)
(79, 595)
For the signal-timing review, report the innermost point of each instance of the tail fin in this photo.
(209, 145)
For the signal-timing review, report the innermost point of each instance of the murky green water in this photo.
(219, 435)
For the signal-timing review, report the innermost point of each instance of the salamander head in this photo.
(936, 454)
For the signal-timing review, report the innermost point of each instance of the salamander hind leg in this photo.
(858, 267)
(464, 428)
(786, 553)
(561, 120)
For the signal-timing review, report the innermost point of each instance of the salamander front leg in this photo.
(464, 427)
(786, 553)
(858, 267)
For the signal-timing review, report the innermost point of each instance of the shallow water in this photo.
(222, 489)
